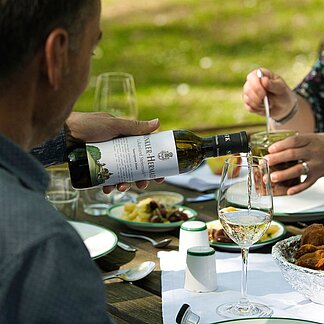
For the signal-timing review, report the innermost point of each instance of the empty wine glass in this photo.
(115, 93)
(245, 208)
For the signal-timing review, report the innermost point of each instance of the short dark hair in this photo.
(25, 25)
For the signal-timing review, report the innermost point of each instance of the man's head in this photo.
(25, 25)
(45, 54)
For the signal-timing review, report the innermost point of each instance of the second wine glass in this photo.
(245, 208)
(115, 94)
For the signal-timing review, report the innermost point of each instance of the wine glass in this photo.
(115, 93)
(245, 208)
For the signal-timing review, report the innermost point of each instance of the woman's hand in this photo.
(307, 148)
(281, 98)
(96, 127)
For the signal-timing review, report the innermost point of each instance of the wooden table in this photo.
(140, 301)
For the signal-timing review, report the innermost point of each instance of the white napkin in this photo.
(309, 200)
(201, 179)
(96, 244)
(266, 285)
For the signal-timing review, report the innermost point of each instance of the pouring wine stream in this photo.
(265, 101)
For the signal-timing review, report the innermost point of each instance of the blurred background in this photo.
(190, 58)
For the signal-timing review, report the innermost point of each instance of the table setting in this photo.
(266, 285)
(164, 284)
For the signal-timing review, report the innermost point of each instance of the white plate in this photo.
(307, 205)
(98, 240)
(268, 320)
(234, 247)
(116, 211)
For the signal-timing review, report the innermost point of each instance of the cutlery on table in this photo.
(265, 102)
(295, 230)
(133, 274)
(126, 247)
(157, 244)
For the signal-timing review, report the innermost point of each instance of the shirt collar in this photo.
(22, 165)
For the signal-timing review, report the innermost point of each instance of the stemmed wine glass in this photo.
(115, 93)
(245, 208)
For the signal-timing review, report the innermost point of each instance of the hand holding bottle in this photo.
(146, 157)
(97, 127)
(282, 99)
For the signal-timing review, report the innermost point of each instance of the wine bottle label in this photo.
(129, 159)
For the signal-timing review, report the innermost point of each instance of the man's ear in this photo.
(56, 56)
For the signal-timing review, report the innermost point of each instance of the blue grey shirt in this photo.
(46, 273)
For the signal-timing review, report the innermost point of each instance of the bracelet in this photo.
(289, 116)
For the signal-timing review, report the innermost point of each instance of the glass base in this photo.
(234, 310)
(96, 209)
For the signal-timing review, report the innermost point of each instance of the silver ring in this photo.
(305, 168)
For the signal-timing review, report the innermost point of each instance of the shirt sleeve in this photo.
(312, 89)
(54, 282)
(53, 151)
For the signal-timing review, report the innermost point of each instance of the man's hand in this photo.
(96, 127)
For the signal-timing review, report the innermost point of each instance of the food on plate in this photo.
(310, 254)
(313, 260)
(307, 248)
(163, 197)
(216, 233)
(269, 233)
(148, 210)
(313, 234)
(216, 164)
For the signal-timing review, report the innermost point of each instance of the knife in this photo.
(126, 247)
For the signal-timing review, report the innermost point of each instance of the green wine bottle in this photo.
(146, 157)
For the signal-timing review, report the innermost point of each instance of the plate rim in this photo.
(298, 320)
(234, 246)
(114, 244)
(148, 224)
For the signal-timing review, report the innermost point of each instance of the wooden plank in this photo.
(132, 304)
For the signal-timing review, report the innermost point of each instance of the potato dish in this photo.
(148, 210)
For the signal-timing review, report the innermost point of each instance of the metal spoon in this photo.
(157, 244)
(132, 274)
(265, 102)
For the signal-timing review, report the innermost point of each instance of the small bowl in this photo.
(163, 197)
(308, 282)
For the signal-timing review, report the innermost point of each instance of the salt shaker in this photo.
(192, 233)
(200, 273)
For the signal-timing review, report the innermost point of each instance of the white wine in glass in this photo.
(115, 94)
(245, 208)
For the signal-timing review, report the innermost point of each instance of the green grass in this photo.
(164, 44)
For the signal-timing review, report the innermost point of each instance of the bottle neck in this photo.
(208, 147)
(225, 144)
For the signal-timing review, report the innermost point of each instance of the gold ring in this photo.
(305, 168)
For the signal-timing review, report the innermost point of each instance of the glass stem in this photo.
(244, 304)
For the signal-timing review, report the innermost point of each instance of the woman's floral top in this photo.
(312, 89)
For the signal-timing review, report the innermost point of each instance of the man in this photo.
(46, 274)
